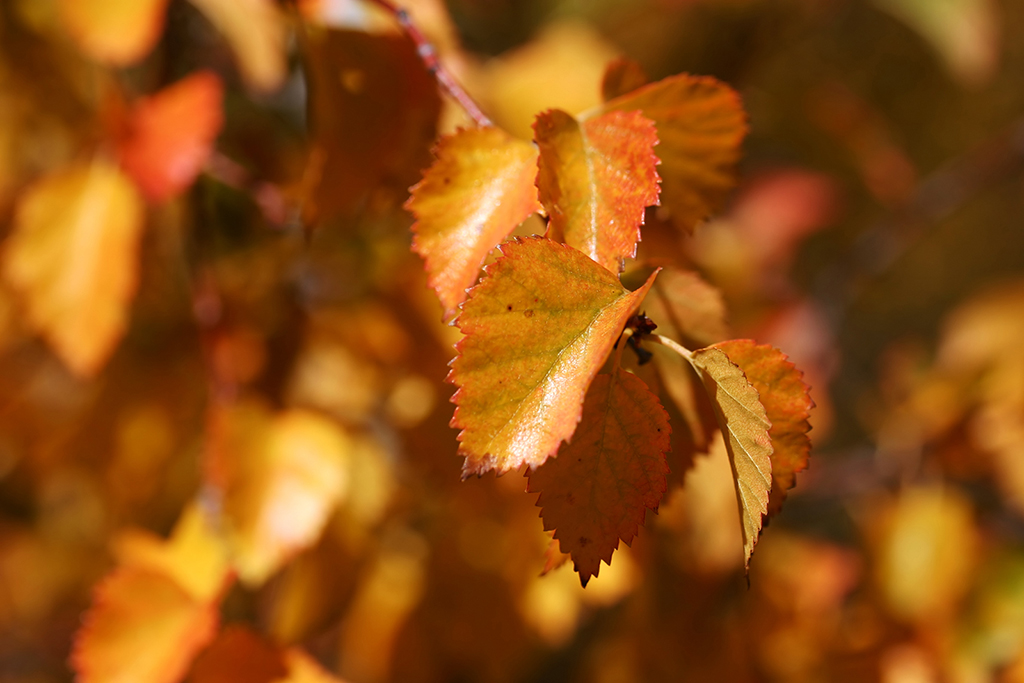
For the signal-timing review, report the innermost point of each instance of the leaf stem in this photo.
(429, 56)
(674, 345)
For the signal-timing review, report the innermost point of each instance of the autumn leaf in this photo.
(169, 136)
(787, 403)
(538, 328)
(242, 656)
(691, 308)
(73, 257)
(602, 483)
(142, 626)
(621, 76)
(479, 189)
(255, 30)
(157, 609)
(745, 428)
(700, 125)
(194, 557)
(117, 32)
(280, 476)
(373, 110)
(595, 178)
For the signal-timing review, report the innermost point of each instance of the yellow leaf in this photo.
(745, 428)
(143, 627)
(73, 256)
(256, 32)
(280, 475)
(118, 32)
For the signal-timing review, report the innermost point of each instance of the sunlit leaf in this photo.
(373, 110)
(595, 178)
(255, 30)
(700, 123)
(479, 189)
(117, 32)
(745, 427)
(621, 76)
(787, 403)
(602, 483)
(169, 136)
(280, 475)
(194, 556)
(73, 257)
(538, 328)
(142, 626)
(687, 308)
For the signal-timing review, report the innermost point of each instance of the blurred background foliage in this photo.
(874, 236)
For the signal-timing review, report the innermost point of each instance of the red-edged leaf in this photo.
(538, 328)
(73, 257)
(602, 483)
(701, 124)
(745, 428)
(788, 404)
(621, 76)
(479, 189)
(691, 308)
(117, 32)
(169, 136)
(142, 626)
(595, 178)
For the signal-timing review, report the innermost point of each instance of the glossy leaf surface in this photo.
(538, 328)
(595, 179)
(479, 189)
(598, 489)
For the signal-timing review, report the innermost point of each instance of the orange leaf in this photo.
(169, 135)
(595, 179)
(600, 486)
(73, 255)
(280, 475)
(141, 627)
(117, 32)
(255, 29)
(788, 404)
(538, 328)
(700, 124)
(744, 426)
(479, 189)
(621, 76)
(194, 556)
(688, 306)
(373, 111)
(241, 656)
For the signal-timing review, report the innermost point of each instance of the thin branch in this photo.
(430, 60)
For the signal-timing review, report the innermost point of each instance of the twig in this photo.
(429, 56)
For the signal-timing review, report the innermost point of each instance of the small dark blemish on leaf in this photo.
(584, 541)
(509, 307)
(528, 313)
(570, 499)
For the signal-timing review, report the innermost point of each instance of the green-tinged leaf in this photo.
(745, 428)
(692, 309)
(538, 328)
(621, 76)
(73, 257)
(787, 403)
(595, 178)
(700, 124)
(602, 483)
(479, 189)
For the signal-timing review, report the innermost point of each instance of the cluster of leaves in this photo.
(226, 451)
